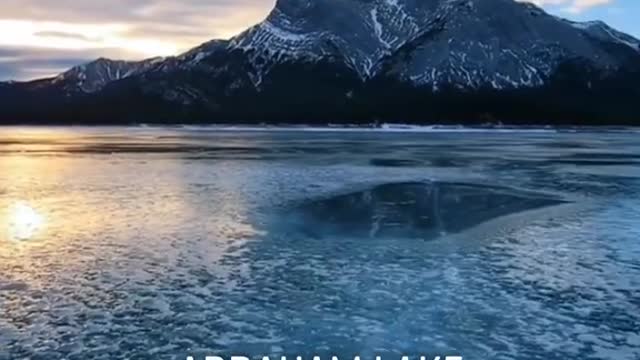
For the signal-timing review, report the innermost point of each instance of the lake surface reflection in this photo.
(140, 243)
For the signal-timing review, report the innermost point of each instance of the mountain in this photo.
(95, 75)
(361, 61)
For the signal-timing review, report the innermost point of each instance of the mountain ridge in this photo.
(348, 52)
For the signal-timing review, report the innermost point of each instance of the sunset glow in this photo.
(54, 35)
(24, 221)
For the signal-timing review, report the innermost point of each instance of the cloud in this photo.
(573, 6)
(61, 34)
(58, 32)
(22, 63)
(208, 17)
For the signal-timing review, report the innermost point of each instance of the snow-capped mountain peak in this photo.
(342, 57)
(467, 43)
(360, 32)
(503, 43)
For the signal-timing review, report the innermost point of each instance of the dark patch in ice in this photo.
(596, 158)
(145, 148)
(595, 162)
(13, 286)
(449, 162)
(600, 155)
(394, 162)
(567, 145)
(418, 210)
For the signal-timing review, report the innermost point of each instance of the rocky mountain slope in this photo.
(363, 61)
(96, 75)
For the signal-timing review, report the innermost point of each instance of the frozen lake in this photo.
(140, 243)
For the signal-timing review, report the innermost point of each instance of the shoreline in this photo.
(382, 128)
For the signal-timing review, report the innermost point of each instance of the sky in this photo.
(40, 38)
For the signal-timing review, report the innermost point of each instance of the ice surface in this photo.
(173, 242)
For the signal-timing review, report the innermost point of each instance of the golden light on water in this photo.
(24, 222)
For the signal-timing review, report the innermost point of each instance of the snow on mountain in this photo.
(93, 76)
(465, 43)
(196, 55)
(498, 42)
(339, 57)
(359, 32)
(468, 43)
(604, 32)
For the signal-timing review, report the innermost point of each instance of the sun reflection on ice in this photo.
(24, 222)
